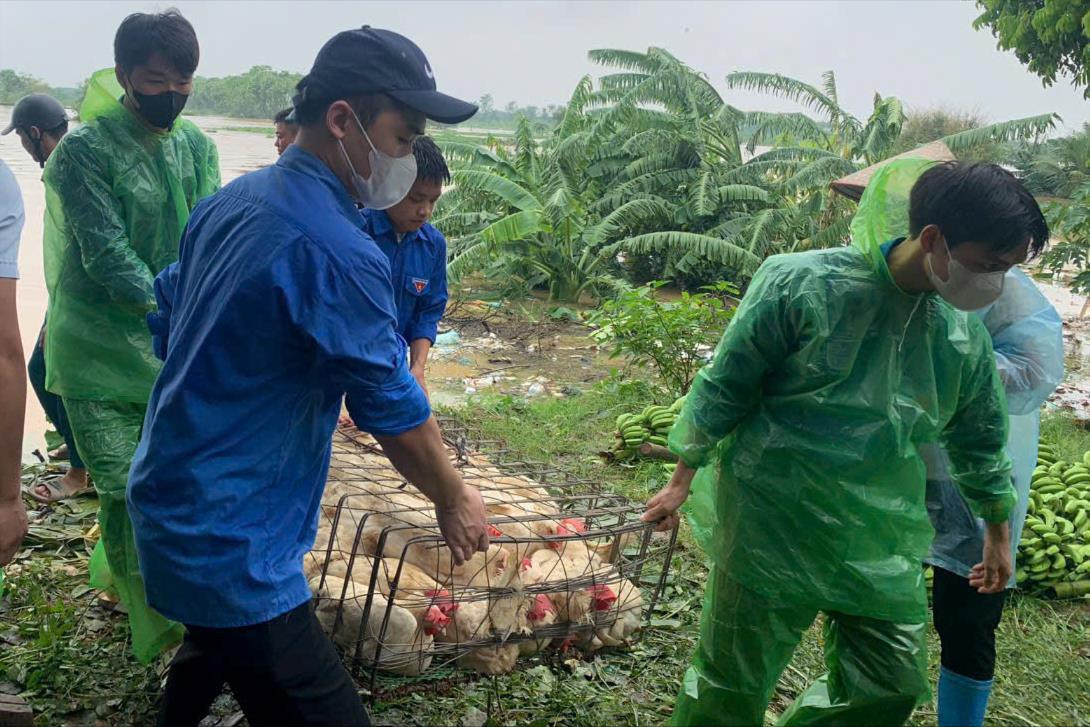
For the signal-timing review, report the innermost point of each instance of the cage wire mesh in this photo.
(568, 565)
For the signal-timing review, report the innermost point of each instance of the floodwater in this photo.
(549, 362)
(240, 152)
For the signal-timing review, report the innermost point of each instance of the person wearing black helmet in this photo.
(40, 121)
(280, 305)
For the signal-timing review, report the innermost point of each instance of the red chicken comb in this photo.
(526, 565)
(603, 596)
(494, 532)
(443, 600)
(571, 526)
(542, 608)
(435, 620)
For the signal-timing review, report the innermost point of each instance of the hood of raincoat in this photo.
(118, 196)
(883, 209)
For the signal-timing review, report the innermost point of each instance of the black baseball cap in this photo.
(372, 60)
(37, 109)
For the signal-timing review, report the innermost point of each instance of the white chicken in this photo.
(420, 602)
(576, 604)
(487, 569)
(622, 620)
(472, 625)
(538, 613)
(403, 648)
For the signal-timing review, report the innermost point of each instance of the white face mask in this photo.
(963, 288)
(391, 177)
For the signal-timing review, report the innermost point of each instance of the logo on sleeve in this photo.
(420, 284)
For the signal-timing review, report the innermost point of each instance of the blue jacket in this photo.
(418, 267)
(280, 304)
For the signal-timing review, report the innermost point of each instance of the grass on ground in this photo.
(71, 660)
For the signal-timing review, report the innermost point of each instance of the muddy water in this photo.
(240, 152)
(479, 363)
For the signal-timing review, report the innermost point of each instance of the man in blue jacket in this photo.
(279, 307)
(417, 253)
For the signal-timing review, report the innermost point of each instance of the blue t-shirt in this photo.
(418, 268)
(279, 305)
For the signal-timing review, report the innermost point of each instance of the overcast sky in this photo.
(923, 51)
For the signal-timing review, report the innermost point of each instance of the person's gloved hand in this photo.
(992, 574)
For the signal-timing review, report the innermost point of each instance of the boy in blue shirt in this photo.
(417, 253)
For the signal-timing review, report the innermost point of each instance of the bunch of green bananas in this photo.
(1055, 545)
(650, 425)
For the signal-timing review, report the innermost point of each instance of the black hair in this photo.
(282, 117)
(367, 107)
(977, 203)
(141, 35)
(430, 164)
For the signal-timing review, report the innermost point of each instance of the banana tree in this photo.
(680, 198)
(812, 152)
(538, 223)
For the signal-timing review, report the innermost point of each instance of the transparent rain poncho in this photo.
(1027, 335)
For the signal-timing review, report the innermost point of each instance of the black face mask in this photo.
(160, 109)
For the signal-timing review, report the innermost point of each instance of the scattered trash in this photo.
(535, 389)
(448, 338)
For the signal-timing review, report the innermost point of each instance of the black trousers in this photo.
(282, 672)
(966, 622)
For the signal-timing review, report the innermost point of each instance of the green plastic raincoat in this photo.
(118, 196)
(117, 199)
(810, 494)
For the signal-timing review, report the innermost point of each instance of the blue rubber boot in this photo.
(962, 701)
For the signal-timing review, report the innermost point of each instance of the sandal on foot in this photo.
(57, 492)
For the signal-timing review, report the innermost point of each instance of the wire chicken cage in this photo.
(567, 567)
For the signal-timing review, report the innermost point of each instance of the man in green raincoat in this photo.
(119, 190)
(802, 435)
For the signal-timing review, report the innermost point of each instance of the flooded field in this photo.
(491, 354)
(493, 351)
(240, 152)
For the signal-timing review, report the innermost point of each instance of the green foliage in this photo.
(1049, 36)
(669, 338)
(928, 125)
(541, 118)
(258, 93)
(1070, 225)
(537, 230)
(644, 176)
(1056, 167)
(15, 85)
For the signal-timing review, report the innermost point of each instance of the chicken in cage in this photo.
(561, 569)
